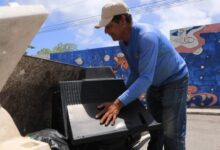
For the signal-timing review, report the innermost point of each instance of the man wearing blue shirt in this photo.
(156, 69)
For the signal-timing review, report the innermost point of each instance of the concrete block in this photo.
(18, 25)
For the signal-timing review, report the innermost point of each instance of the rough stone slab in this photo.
(27, 95)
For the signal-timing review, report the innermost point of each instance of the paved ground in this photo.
(203, 130)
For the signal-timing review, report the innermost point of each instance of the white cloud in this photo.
(70, 8)
(197, 13)
(66, 10)
(146, 1)
(96, 41)
(87, 36)
(213, 6)
(187, 15)
(105, 43)
(136, 17)
(75, 9)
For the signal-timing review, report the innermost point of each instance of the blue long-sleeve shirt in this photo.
(152, 60)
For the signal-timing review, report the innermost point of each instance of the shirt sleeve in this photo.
(130, 80)
(148, 52)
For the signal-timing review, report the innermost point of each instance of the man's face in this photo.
(114, 30)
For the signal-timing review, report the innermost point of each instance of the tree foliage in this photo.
(61, 47)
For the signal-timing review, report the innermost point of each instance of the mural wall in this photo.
(108, 56)
(199, 46)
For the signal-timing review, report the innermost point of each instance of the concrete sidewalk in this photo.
(199, 135)
(204, 111)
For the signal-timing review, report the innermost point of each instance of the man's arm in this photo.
(130, 80)
(146, 67)
(148, 52)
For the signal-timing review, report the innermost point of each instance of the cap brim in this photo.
(102, 23)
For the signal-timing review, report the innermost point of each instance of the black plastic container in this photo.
(96, 72)
(79, 100)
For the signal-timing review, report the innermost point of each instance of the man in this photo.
(156, 68)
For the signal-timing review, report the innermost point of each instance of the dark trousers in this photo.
(168, 106)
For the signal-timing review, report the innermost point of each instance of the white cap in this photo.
(109, 10)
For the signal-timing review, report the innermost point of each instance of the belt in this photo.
(170, 83)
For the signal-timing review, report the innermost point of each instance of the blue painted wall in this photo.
(108, 56)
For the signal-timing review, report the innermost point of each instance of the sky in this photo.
(72, 21)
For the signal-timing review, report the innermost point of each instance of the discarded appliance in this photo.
(78, 102)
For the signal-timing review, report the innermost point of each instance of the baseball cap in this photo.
(109, 10)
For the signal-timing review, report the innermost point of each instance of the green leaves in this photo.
(61, 47)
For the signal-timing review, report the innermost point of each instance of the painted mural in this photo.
(108, 56)
(199, 46)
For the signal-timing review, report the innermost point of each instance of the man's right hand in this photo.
(109, 112)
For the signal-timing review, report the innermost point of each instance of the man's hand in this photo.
(109, 112)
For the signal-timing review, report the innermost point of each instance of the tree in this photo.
(61, 47)
(64, 47)
(44, 51)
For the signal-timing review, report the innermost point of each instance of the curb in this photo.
(197, 111)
